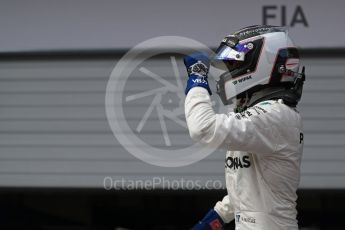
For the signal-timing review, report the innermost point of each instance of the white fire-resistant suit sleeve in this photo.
(253, 131)
(225, 209)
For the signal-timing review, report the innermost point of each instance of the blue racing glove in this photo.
(197, 65)
(212, 221)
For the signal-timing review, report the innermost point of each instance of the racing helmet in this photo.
(256, 58)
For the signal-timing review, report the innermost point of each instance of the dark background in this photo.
(83, 209)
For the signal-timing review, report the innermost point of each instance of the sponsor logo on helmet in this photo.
(231, 40)
(241, 80)
(253, 32)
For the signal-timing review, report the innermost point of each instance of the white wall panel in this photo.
(54, 130)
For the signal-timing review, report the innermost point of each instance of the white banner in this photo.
(88, 24)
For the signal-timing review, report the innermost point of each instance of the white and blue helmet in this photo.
(255, 58)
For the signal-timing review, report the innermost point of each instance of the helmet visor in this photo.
(236, 53)
(232, 57)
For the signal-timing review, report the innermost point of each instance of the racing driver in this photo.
(263, 136)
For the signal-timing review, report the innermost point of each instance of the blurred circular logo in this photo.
(145, 102)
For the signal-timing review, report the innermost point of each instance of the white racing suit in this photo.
(262, 165)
